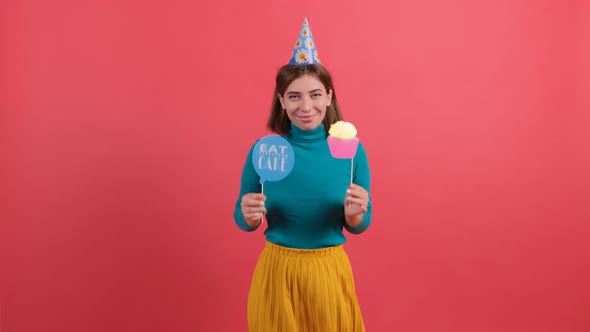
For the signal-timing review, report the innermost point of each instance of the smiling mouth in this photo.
(306, 118)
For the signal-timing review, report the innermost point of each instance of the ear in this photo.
(329, 98)
(281, 100)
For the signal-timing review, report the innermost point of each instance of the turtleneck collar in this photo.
(313, 135)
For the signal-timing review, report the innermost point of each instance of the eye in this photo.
(316, 95)
(293, 97)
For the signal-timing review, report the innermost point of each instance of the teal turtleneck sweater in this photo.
(306, 209)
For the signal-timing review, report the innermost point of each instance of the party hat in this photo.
(305, 52)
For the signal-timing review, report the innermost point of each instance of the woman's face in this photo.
(305, 102)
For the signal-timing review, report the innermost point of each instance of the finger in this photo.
(258, 197)
(356, 188)
(255, 209)
(251, 201)
(356, 200)
(254, 196)
(256, 216)
(357, 194)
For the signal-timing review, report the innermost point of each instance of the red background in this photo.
(124, 126)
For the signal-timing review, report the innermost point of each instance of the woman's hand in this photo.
(355, 204)
(253, 209)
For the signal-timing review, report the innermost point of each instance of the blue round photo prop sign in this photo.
(273, 158)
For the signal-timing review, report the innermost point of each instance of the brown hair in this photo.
(278, 121)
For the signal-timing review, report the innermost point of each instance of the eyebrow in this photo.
(298, 93)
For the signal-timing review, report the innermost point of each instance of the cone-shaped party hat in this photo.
(305, 52)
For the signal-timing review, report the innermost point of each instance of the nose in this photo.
(306, 104)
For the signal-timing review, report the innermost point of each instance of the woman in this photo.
(303, 280)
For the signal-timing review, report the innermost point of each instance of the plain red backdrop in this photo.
(124, 126)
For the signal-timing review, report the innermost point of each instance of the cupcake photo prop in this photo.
(343, 142)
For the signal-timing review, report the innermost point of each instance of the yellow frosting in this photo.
(342, 130)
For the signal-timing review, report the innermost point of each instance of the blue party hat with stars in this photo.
(305, 52)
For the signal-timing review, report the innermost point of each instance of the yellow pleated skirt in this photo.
(301, 290)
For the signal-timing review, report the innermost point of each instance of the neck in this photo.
(312, 135)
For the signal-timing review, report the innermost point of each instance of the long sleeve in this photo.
(362, 177)
(250, 183)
